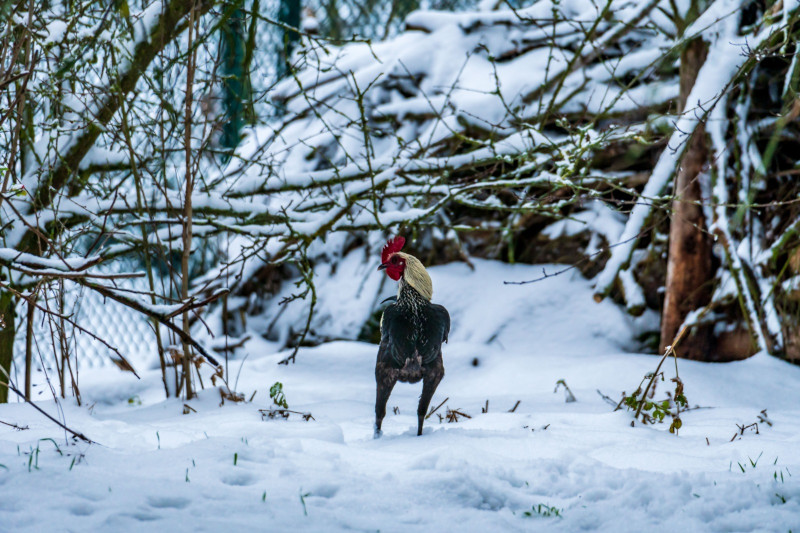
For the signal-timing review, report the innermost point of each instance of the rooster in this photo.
(412, 332)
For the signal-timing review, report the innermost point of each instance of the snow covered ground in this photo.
(549, 465)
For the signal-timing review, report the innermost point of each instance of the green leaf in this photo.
(123, 8)
(277, 395)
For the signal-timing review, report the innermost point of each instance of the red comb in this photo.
(391, 247)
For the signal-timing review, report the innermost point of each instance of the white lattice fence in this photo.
(120, 327)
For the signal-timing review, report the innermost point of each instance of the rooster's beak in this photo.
(383, 266)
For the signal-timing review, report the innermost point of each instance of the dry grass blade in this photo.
(123, 365)
(436, 408)
(231, 396)
(453, 415)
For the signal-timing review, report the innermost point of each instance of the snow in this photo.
(598, 218)
(11, 255)
(224, 468)
(55, 32)
(98, 156)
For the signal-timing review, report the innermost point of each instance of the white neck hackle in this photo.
(416, 276)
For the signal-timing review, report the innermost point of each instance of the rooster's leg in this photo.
(431, 378)
(385, 378)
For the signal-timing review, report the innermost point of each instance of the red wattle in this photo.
(394, 273)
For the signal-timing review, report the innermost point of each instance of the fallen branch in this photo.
(18, 428)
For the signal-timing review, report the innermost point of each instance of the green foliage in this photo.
(544, 510)
(277, 395)
(33, 458)
(33, 454)
(303, 501)
(653, 411)
(124, 9)
(777, 476)
(753, 463)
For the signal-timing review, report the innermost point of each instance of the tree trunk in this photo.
(29, 345)
(7, 331)
(236, 77)
(689, 269)
(187, 213)
(289, 15)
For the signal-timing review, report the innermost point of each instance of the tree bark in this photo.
(7, 331)
(689, 267)
(187, 212)
(29, 345)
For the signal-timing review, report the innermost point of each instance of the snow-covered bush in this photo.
(488, 128)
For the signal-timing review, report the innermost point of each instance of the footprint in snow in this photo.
(81, 509)
(324, 490)
(168, 502)
(143, 516)
(239, 479)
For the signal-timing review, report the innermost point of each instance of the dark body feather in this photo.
(412, 332)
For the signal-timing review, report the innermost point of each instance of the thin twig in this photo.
(18, 428)
(74, 433)
(436, 408)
